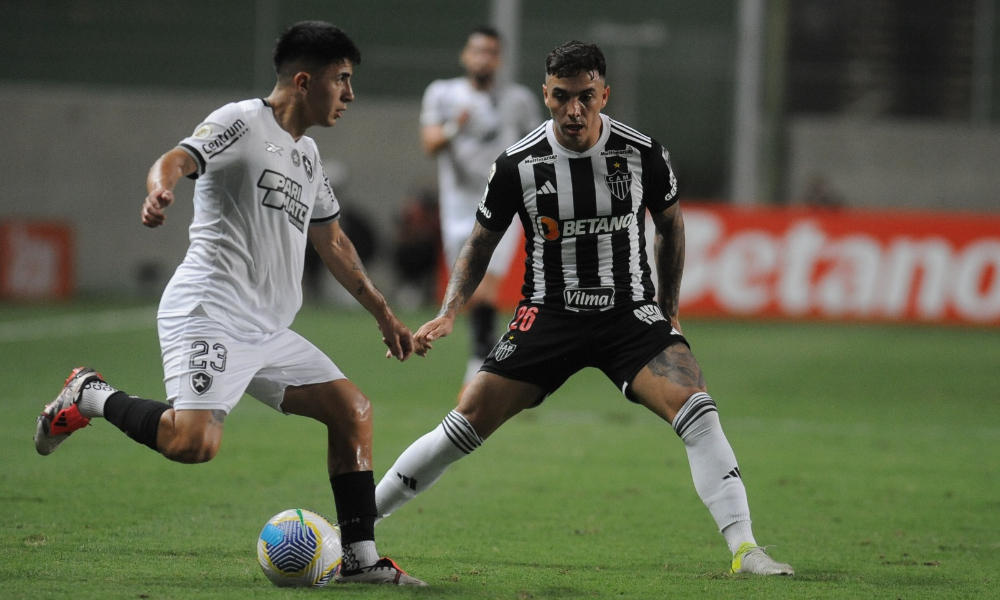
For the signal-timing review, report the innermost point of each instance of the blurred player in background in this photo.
(223, 320)
(581, 184)
(466, 122)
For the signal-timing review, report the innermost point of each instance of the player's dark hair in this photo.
(575, 57)
(313, 45)
(486, 30)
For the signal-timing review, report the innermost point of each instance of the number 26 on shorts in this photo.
(524, 318)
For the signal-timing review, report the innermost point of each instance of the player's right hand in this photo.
(430, 331)
(152, 207)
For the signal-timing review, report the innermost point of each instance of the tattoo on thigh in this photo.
(677, 364)
(218, 416)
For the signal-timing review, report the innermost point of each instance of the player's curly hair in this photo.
(313, 45)
(575, 57)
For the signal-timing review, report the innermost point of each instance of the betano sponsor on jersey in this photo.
(552, 229)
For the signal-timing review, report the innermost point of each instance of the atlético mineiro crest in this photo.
(619, 183)
(200, 382)
(503, 350)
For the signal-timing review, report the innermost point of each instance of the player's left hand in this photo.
(430, 331)
(397, 337)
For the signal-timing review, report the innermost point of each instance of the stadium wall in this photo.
(896, 163)
(79, 156)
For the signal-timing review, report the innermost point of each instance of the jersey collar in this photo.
(550, 135)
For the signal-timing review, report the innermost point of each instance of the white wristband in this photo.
(450, 130)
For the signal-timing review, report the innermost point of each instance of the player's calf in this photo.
(86, 396)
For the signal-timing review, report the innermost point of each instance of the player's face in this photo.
(481, 57)
(575, 104)
(329, 93)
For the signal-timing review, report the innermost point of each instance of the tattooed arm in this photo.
(340, 256)
(469, 269)
(669, 250)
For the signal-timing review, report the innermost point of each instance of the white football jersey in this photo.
(256, 193)
(497, 118)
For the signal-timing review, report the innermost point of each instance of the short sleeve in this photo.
(432, 106)
(216, 141)
(661, 184)
(327, 207)
(501, 198)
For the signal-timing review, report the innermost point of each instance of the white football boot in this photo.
(753, 559)
(385, 571)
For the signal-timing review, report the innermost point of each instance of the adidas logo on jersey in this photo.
(546, 188)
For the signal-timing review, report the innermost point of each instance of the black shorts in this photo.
(545, 346)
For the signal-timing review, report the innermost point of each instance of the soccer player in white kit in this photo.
(466, 122)
(223, 318)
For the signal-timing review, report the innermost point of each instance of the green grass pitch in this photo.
(870, 455)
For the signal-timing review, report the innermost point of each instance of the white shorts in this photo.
(207, 367)
(504, 253)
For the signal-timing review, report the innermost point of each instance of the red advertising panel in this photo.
(36, 260)
(842, 264)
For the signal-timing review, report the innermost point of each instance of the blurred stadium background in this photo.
(859, 104)
(838, 161)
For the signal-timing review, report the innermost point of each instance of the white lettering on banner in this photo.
(805, 270)
(909, 263)
(744, 266)
(978, 261)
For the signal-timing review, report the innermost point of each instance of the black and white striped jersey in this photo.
(584, 214)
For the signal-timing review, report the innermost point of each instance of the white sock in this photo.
(713, 468)
(737, 533)
(95, 393)
(359, 554)
(420, 465)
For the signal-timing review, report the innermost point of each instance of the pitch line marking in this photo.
(111, 321)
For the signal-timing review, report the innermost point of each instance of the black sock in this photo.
(354, 495)
(138, 418)
(482, 329)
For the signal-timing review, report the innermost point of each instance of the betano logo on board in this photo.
(844, 264)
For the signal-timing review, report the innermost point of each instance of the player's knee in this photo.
(361, 408)
(345, 404)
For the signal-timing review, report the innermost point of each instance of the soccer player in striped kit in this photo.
(580, 185)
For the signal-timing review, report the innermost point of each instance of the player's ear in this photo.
(604, 97)
(301, 81)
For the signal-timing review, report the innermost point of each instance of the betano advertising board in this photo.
(834, 264)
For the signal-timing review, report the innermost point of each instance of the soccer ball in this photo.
(299, 548)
